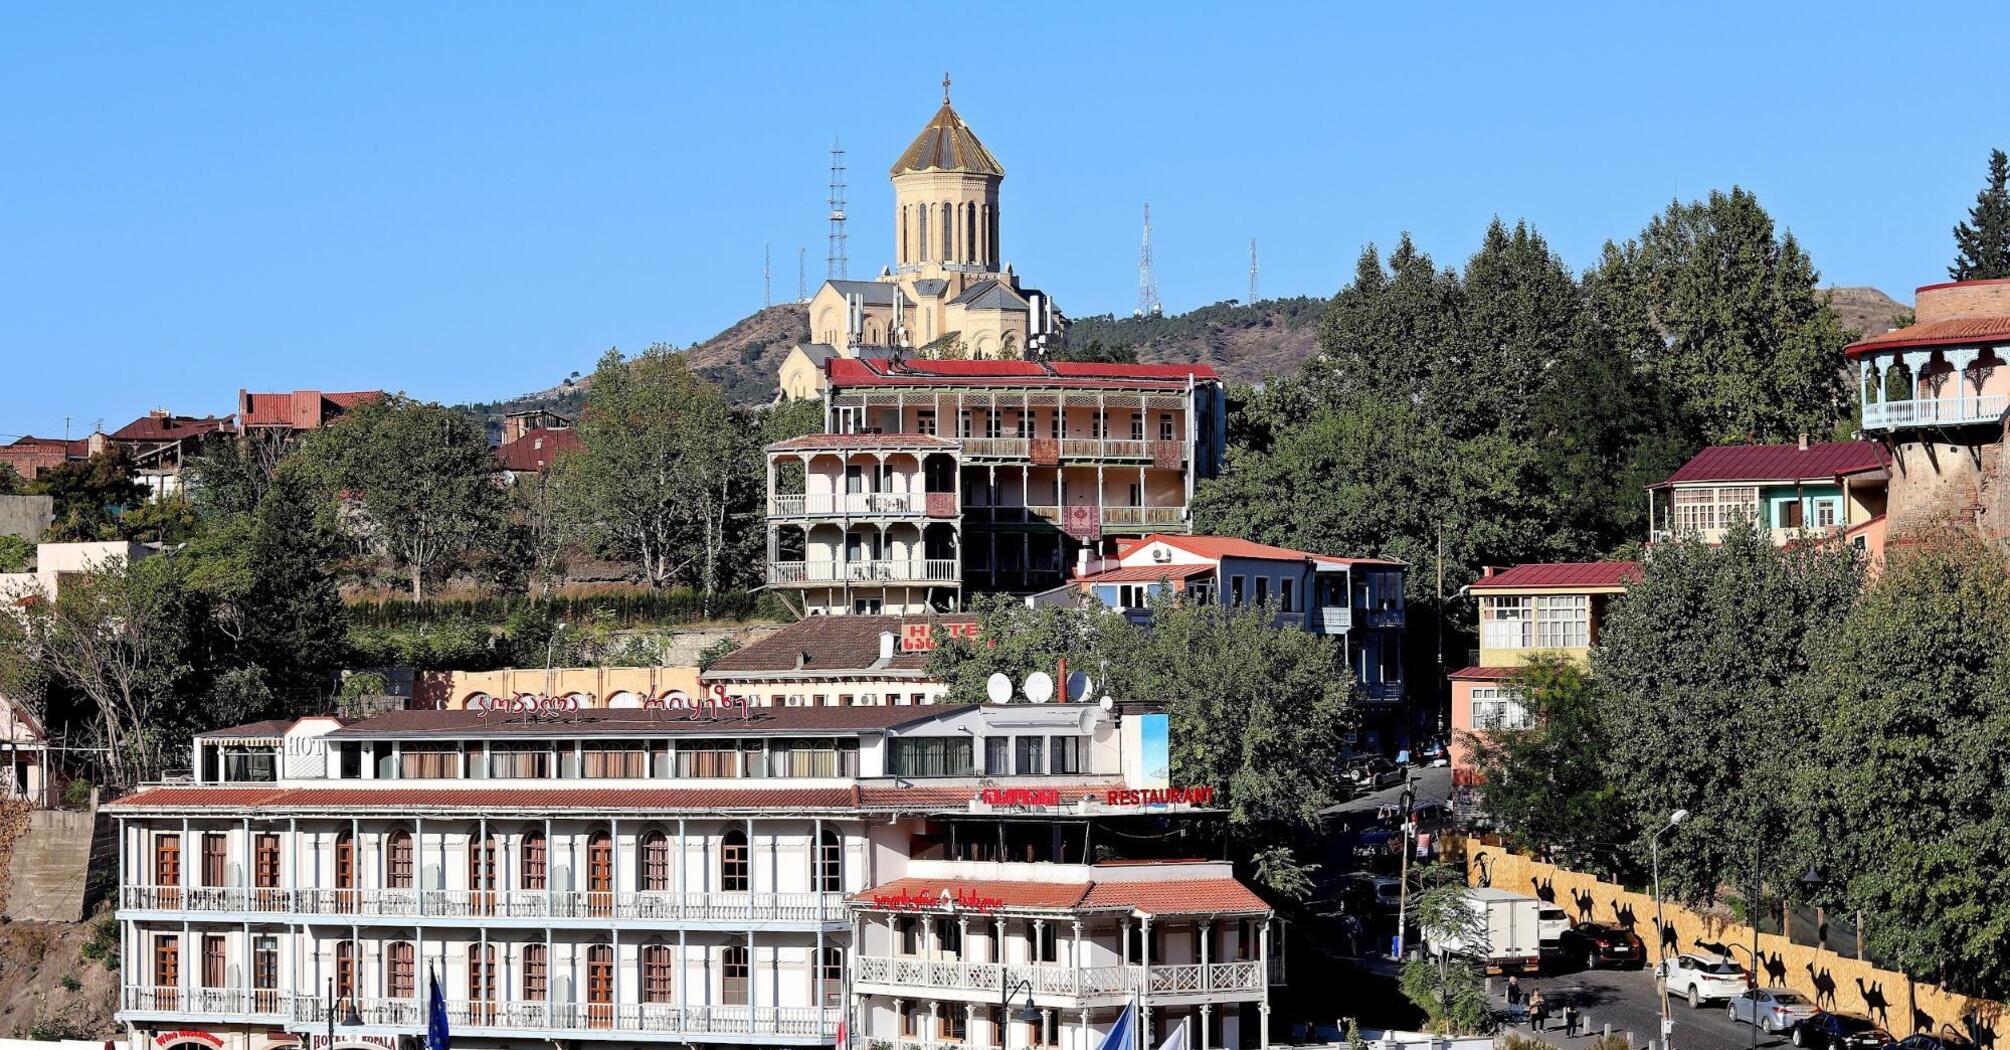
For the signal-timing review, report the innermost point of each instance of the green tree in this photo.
(1748, 342)
(1447, 986)
(420, 478)
(90, 494)
(1697, 670)
(1902, 783)
(10, 480)
(1546, 781)
(1516, 327)
(16, 554)
(1385, 332)
(1982, 244)
(662, 467)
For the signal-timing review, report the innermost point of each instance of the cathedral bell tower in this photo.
(945, 200)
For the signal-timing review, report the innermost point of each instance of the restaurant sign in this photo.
(1020, 796)
(188, 1035)
(1166, 796)
(908, 900)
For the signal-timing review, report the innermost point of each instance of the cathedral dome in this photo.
(947, 144)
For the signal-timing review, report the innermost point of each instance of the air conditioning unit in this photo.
(1161, 555)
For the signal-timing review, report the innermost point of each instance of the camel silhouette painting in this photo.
(1484, 863)
(1874, 1002)
(1923, 1022)
(1714, 947)
(1670, 943)
(1980, 1031)
(1825, 986)
(1776, 969)
(1545, 890)
(1582, 899)
(1624, 916)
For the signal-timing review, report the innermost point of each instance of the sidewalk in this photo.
(1558, 995)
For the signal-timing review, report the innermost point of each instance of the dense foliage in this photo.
(1548, 783)
(1982, 244)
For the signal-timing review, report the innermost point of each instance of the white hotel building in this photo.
(646, 877)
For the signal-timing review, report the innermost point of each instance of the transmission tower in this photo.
(1252, 270)
(1148, 286)
(836, 265)
(767, 280)
(802, 288)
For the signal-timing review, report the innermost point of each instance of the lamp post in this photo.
(549, 645)
(1661, 925)
(1027, 1014)
(349, 1020)
(1406, 829)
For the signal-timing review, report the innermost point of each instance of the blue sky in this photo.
(470, 201)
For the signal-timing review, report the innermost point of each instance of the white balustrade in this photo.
(951, 974)
(902, 570)
(667, 905)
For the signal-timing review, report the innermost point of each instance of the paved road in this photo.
(1629, 1001)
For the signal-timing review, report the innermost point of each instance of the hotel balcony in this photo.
(1935, 411)
(1069, 985)
(1054, 451)
(721, 910)
(936, 571)
(863, 505)
(529, 1021)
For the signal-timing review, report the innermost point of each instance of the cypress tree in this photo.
(1982, 244)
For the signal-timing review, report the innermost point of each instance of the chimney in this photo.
(1804, 441)
(1486, 571)
(886, 646)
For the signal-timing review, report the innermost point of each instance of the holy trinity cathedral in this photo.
(948, 293)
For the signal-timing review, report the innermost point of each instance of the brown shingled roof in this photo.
(830, 643)
(481, 795)
(645, 722)
(947, 144)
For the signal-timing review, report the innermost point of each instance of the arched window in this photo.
(482, 983)
(830, 971)
(733, 975)
(656, 974)
(400, 973)
(345, 969)
(970, 233)
(536, 973)
(532, 864)
(923, 224)
(830, 862)
(948, 230)
(599, 873)
(904, 256)
(656, 862)
(398, 860)
(599, 985)
(991, 223)
(735, 872)
(345, 872)
(482, 872)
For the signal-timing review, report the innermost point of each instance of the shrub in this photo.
(103, 947)
(70, 983)
(78, 794)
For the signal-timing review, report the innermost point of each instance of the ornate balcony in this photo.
(1935, 411)
(1223, 980)
(861, 505)
(732, 909)
(888, 571)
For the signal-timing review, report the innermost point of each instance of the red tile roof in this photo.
(299, 409)
(267, 727)
(1954, 331)
(832, 645)
(465, 795)
(1563, 575)
(1146, 574)
(874, 371)
(533, 452)
(162, 427)
(1176, 897)
(820, 442)
(918, 798)
(642, 722)
(1484, 674)
(1823, 462)
(1234, 547)
(74, 448)
(1157, 897)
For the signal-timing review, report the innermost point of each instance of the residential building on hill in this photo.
(298, 411)
(1536, 608)
(32, 456)
(940, 478)
(160, 442)
(532, 451)
(1935, 393)
(949, 290)
(1797, 491)
(1356, 600)
(650, 878)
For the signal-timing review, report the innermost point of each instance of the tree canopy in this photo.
(1982, 244)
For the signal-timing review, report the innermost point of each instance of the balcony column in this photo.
(927, 937)
(962, 938)
(1145, 977)
(899, 1020)
(1206, 1014)
(969, 1023)
(998, 947)
(1085, 1036)
(1263, 982)
(1206, 972)
(1046, 1024)
(934, 1023)
(1263, 1020)
(771, 485)
(751, 869)
(1916, 361)
(1962, 360)
(1074, 941)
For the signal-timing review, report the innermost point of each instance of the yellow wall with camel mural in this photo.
(1899, 1005)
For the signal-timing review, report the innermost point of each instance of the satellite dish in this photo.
(1080, 685)
(1039, 687)
(998, 688)
(1108, 702)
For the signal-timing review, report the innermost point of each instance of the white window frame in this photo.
(1497, 707)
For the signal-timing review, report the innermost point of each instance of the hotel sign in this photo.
(921, 637)
(908, 900)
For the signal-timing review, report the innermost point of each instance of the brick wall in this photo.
(1935, 483)
(1967, 299)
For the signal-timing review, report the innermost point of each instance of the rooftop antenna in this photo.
(767, 279)
(802, 287)
(836, 266)
(1252, 271)
(1148, 286)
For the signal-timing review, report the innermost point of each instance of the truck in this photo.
(1506, 932)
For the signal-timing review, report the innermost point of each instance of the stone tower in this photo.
(945, 200)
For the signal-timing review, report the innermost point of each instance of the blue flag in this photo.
(436, 1014)
(1123, 1034)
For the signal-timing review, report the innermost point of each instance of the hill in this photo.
(1866, 309)
(1245, 343)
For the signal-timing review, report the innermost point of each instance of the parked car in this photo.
(1932, 1042)
(1702, 978)
(1827, 1031)
(1772, 1009)
(1373, 774)
(1599, 945)
(1434, 753)
(1376, 842)
(1373, 892)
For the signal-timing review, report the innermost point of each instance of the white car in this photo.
(1703, 978)
(1773, 1009)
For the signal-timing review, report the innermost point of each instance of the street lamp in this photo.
(349, 1020)
(1027, 1014)
(1661, 925)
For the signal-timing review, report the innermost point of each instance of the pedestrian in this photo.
(1514, 989)
(1570, 1019)
(1538, 1010)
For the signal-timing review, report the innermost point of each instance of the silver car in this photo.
(1773, 1009)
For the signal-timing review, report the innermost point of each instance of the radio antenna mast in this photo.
(836, 266)
(767, 279)
(802, 288)
(1148, 286)
(1252, 271)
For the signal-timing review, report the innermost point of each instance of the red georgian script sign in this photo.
(1193, 796)
(188, 1035)
(920, 637)
(907, 900)
(1020, 796)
